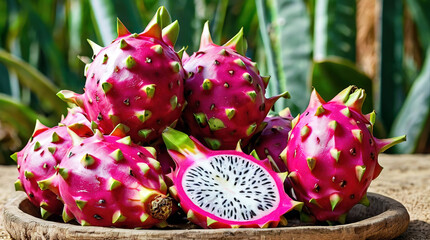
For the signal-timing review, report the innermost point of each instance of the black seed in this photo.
(126, 101)
(100, 117)
(97, 98)
(342, 183)
(307, 113)
(98, 81)
(352, 151)
(318, 140)
(316, 188)
(352, 196)
(262, 107)
(31, 195)
(98, 217)
(370, 141)
(131, 173)
(190, 74)
(197, 104)
(102, 201)
(70, 154)
(226, 85)
(216, 62)
(372, 155)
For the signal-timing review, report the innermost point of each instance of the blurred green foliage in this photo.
(300, 43)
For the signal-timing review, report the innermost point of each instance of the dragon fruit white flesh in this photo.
(106, 180)
(225, 93)
(137, 80)
(225, 188)
(332, 156)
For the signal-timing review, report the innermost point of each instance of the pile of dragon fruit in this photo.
(158, 132)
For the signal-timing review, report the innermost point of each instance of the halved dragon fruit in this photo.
(332, 155)
(225, 93)
(109, 181)
(225, 189)
(137, 80)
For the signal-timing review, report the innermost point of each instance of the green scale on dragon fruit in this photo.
(38, 159)
(225, 93)
(106, 180)
(332, 155)
(226, 188)
(138, 81)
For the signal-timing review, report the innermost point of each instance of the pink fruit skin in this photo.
(76, 115)
(198, 153)
(37, 164)
(329, 187)
(138, 176)
(233, 86)
(273, 140)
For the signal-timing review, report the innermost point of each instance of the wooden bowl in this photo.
(384, 219)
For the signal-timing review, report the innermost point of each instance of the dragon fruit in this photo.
(76, 115)
(225, 188)
(273, 139)
(106, 180)
(37, 162)
(332, 155)
(225, 93)
(138, 81)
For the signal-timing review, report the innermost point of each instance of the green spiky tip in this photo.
(364, 201)
(55, 137)
(346, 112)
(358, 134)
(295, 120)
(144, 133)
(14, 157)
(120, 130)
(252, 95)
(144, 217)
(154, 163)
(87, 160)
(200, 118)
(213, 143)
(238, 43)
(175, 66)
(44, 213)
(222, 52)
(85, 223)
(171, 32)
(251, 129)
(247, 77)
(385, 144)
(37, 146)
(28, 174)
(181, 52)
(122, 43)
(356, 99)
(210, 221)
(18, 185)
(64, 173)
(304, 131)
(81, 204)
(130, 62)
(173, 102)
(215, 124)
(149, 90)
(105, 58)
(117, 155)
(254, 154)
(143, 167)
(359, 172)
(266, 79)
(125, 140)
(320, 110)
(121, 29)
(151, 150)
(157, 48)
(96, 48)
(335, 154)
(311, 163)
(144, 115)
(207, 84)
(113, 183)
(239, 62)
(118, 217)
(45, 184)
(66, 217)
(332, 125)
(177, 141)
(334, 200)
(230, 112)
(372, 118)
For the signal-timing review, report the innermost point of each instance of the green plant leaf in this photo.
(21, 117)
(414, 116)
(421, 16)
(335, 29)
(287, 44)
(36, 81)
(332, 75)
(104, 20)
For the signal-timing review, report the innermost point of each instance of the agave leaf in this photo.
(104, 19)
(36, 81)
(332, 75)
(421, 16)
(335, 29)
(289, 52)
(414, 117)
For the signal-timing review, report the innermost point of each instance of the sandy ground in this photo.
(405, 178)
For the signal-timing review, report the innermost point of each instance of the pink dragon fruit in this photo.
(37, 162)
(76, 115)
(109, 181)
(332, 155)
(225, 93)
(138, 80)
(273, 139)
(225, 188)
